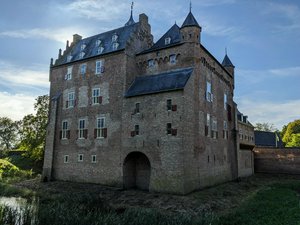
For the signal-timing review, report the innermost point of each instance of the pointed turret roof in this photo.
(130, 21)
(226, 62)
(190, 21)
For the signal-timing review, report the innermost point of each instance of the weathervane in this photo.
(190, 5)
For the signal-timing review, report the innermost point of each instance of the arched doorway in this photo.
(136, 171)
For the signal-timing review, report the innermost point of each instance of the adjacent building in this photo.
(128, 112)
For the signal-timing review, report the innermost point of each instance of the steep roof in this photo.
(190, 21)
(227, 62)
(265, 138)
(168, 81)
(173, 33)
(91, 49)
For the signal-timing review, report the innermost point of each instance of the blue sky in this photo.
(262, 38)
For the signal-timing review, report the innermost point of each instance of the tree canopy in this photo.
(265, 127)
(33, 129)
(291, 134)
(8, 133)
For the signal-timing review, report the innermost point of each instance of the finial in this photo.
(226, 51)
(132, 3)
(190, 5)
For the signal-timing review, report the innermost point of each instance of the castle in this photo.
(128, 112)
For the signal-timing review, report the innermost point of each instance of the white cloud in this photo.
(16, 106)
(14, 75)
(277, 113)
(60, 35)
(103, 10)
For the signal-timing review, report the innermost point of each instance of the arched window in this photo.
(115, 45)
(114, 38)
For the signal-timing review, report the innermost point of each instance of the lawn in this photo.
(261, 199)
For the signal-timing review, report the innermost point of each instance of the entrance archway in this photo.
(136, 171)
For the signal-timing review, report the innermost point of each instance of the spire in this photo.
(190, 20)
(226, 61)
(130, 21)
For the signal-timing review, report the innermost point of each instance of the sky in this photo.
(262, 38)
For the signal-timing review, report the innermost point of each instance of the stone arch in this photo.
(136, 171)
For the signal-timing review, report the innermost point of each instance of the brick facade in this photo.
(176, 141)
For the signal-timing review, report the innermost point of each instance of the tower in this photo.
(190, 29)
(227, 64)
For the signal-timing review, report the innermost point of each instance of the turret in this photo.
(227, 64)
(190, 29)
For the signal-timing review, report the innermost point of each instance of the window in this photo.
(169, 104)
(66, 158)
(101, 130)
(150, 62)
(80, 158)
(98, 42)
(173, 59)
(241, 134)
(69, 58)
(207, 126)
(114, 38)
(71, 100)
(82, 47)
(83, 69)
(99, 67)
(94, 158)
(82, 132)
(167, 40)
(214, 129)
(137, 129)
(96, 98)
(137, 107)
(65, 130)
(169, 128)
(81, 55)
(100, 50)
(225, 101)
(225, 130)
(115, 46)
(209, 95)
(68, 76)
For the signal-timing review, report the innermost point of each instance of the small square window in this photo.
(80, 157)
(94, 158)
(66, 158)
(173, 59)
(151, 63)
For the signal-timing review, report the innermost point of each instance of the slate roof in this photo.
(173, 33)
(168, 81)
(190, 21)
(265, 138)
(90, 50)
(226, 62)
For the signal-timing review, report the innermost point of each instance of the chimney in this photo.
(76, 38)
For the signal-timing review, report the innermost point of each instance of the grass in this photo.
(256, 201)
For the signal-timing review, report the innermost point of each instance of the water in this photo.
(18, 210)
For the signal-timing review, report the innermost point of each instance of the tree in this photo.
(8, 133)
(290, 136)
(265, 127)
(295, 141)
(33, 130)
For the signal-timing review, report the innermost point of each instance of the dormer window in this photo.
(114, 38)
(69, 58)
(167, 41)
(100, 50)
(81, 55)
(150, 62)
(98, 42)
(115, 45)
(82, 47)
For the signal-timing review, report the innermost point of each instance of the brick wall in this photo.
(277, 160)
